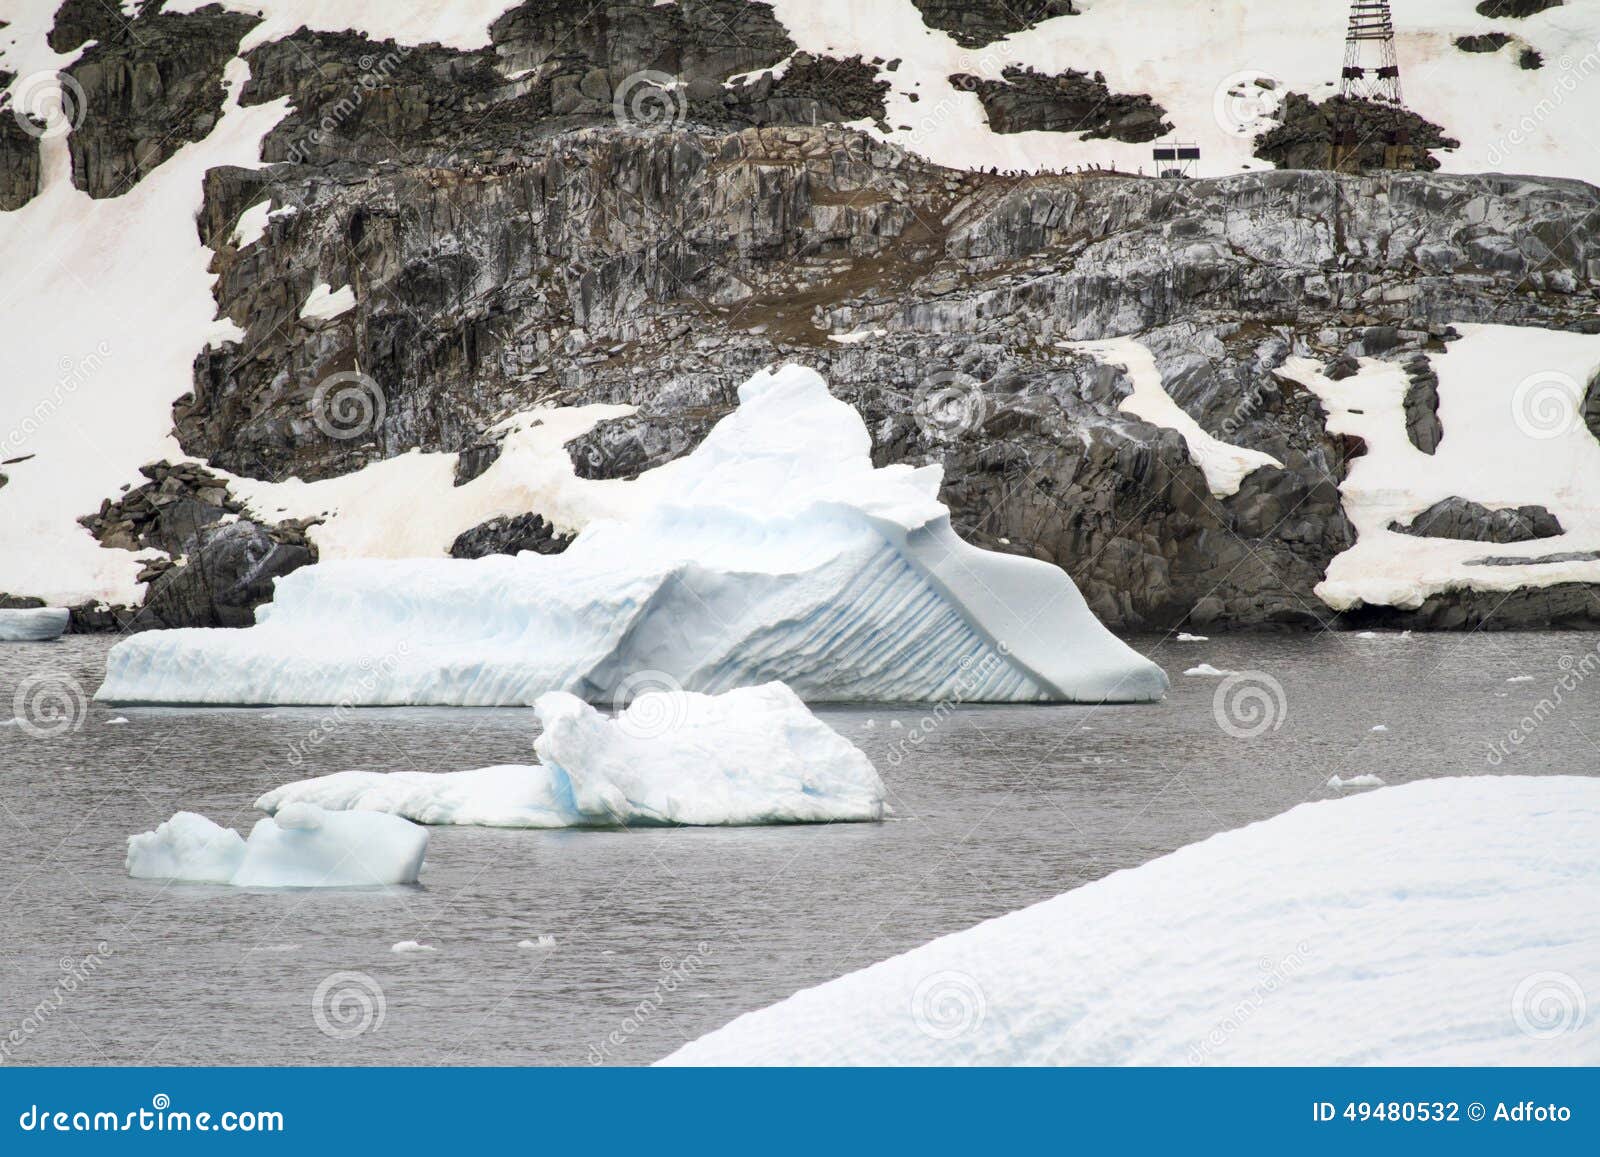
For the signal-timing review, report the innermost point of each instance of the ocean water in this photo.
(646, 938)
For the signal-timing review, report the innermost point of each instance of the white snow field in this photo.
(775, 550)
(1446, 922)
(32, 624)
(1510, 405)
(302, 846)
(752, 756)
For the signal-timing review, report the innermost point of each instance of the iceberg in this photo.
(302, 846)
(1444, 922)
(755, 755)
(32, 624)
(775, 550)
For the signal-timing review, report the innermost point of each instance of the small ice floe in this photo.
(1520, 679)
(1208, 670)
(1366, 634)
(545, 940)
(869, 725)
(1381, 727)
(1338, 784)
(302, 846)
(607, 952)
(114, 722)
(1186, 637)
(1405, 634)
(412, 946)
(32, 624)
(896, 724)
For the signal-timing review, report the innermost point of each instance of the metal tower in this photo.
(1371, 69)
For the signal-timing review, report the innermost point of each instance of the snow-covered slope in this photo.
(1444, 922)
(754, 755)
(1511, 406)
(775, 550)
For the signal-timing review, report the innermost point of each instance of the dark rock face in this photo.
(1541, 560)
(229, 572)
(974, 23)
(510, 536)
(1069, 102)
(1461, 519)
(1307, 129)
(1515, 8)
(150, 86)
(812, 90)
(1487, 42)
(219, 563)
(1422, 405)
(19, 155)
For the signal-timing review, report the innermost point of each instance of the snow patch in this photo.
(325, 303)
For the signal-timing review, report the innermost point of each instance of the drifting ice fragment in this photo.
(1206, 669)
(1185, 637)
(752, 756)
(775, 550)
(1338, 784)
(302, 847)
(32, 624)
(412, 946)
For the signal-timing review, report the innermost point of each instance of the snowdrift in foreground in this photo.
(1444, 922)
(774, 551)
(303, 846)
(752, 756)
(32, 624)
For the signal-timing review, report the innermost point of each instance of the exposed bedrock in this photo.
(662, 268)
(1460, 518)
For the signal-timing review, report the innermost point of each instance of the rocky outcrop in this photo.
(19, 153)
(975, 23)
(1367, 132)
(1487, 42)
(149, 87)
(1515, 8)
(1069, 102)
(510, 535)
(1422, 405)
(1469, 521)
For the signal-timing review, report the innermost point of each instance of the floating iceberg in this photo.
(302, 846)
(1445, 922)
(774, 551)
(32, 624)
(751, 756)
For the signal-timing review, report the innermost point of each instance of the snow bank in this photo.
(1447, 922)
(753, 756)
(1224, 464)
(32, 624)
(303, 846)
(775, 550)
(1510, 405)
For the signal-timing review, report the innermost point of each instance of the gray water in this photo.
(663, 934)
